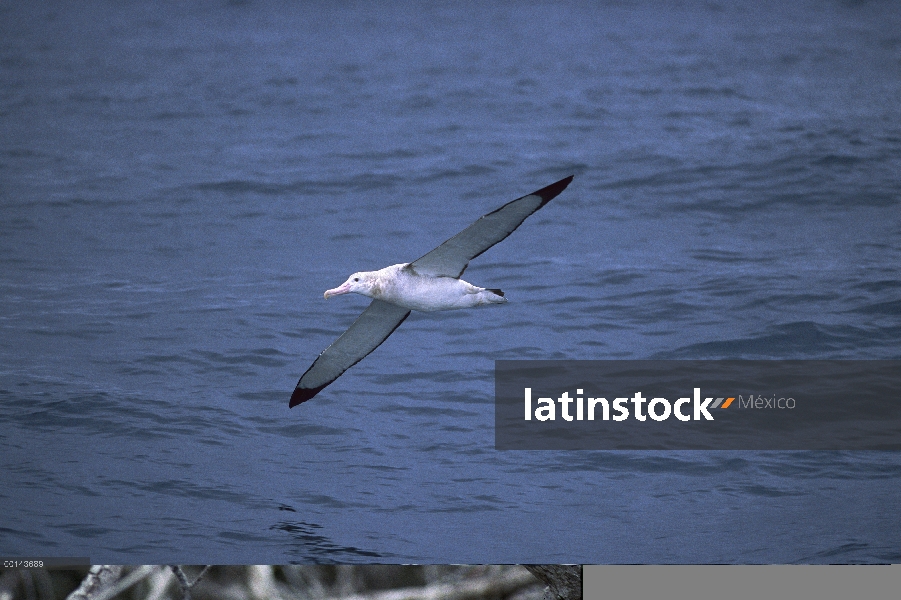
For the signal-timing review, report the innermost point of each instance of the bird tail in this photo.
(495, 292)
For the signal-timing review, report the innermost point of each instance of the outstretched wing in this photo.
(370, 329)
(451, 258)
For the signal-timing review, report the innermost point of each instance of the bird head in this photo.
(358, 283)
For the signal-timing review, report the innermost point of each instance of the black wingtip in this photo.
(549, 192)
(303, 394)
(496, 292)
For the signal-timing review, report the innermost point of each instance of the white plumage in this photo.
(403, 286)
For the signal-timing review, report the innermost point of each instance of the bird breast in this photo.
(404, 287)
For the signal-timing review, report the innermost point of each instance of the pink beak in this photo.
(342, 289)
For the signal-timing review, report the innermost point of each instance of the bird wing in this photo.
(370, 329)
(452, 257)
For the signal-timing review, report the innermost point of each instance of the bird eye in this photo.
(356, 279)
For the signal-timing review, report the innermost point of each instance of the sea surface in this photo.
(180, 182)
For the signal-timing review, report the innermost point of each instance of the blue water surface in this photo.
(180, 182)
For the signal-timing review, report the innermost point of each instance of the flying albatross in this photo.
(429, 283)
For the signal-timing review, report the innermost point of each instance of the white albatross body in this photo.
(429, 283)
(403, 286)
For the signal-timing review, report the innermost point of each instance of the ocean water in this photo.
(180, 182)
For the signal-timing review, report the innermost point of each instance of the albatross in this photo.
(429, 283)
